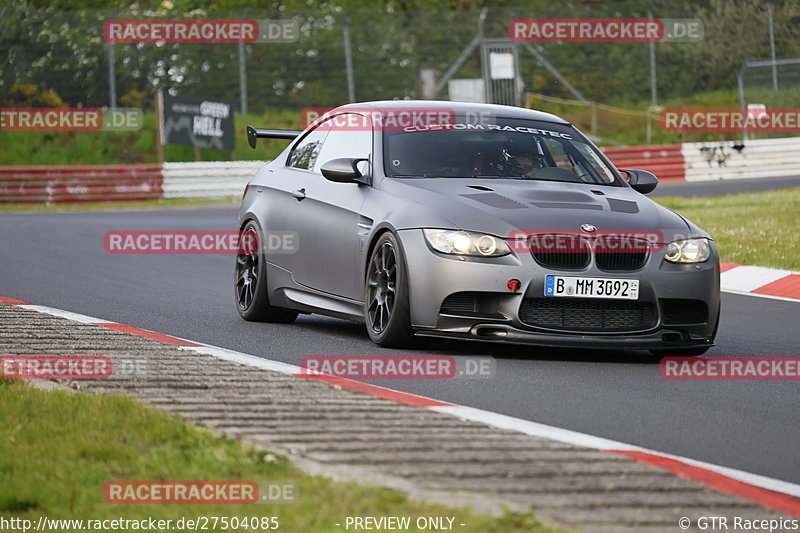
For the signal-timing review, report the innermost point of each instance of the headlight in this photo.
(465, 243)
(689, 251)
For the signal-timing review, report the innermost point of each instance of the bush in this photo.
(27, 95)
(134, 98)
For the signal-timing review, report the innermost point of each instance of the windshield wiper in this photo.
(503, 177)
(465, 177)
(427, 176)
(529, 179)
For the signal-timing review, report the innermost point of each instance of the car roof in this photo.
(460, 108)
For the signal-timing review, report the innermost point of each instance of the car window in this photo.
(350, 136)
(305, 154)
(559, 156)
(582, 163)
(593, 158)
(506, 148)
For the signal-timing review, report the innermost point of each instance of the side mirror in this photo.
(343, 170)
(641, 180)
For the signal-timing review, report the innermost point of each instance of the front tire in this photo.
(250, 280)
(386, 295)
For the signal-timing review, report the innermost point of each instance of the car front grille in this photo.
(614, 256)
(621, 255)
(587, 315)
(561, 251)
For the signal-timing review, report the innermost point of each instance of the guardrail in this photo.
(95, 183)
(107, 183)
(760, 158)
(208, 179)
(665, 160)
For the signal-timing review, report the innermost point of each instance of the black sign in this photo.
(198, 122)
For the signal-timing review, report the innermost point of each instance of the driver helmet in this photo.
(523, 160)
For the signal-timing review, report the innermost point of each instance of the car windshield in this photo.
(502, 149)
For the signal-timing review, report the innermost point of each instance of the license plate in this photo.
(579, 287)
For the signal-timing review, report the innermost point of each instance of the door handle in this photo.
(299, 194)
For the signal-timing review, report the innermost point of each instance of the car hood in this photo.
(500, 207)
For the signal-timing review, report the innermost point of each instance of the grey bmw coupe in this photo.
(473, 222)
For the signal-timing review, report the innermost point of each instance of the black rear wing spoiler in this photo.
(253, 134)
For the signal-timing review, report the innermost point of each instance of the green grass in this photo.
(94, 206)
(59, 448)
(752, 228)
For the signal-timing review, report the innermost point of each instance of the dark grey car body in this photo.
(458, 297)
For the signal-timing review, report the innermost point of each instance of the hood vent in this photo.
(622, 206)
(480, 187)
(562, 196)
(565, 205)
(493, 199)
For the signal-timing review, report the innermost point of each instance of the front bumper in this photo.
(433, 277)
(664, 339)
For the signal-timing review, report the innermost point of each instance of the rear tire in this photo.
(250, 280)
(386, 295)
